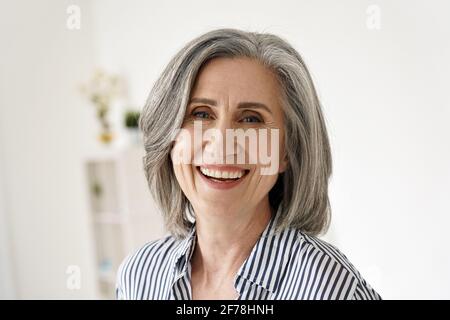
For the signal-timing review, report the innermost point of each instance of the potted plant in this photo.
(131, 122)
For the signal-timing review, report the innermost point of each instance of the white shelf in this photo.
(123, 214)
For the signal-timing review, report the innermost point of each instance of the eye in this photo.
(251, 119)
(201, 114)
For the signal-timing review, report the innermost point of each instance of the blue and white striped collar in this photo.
(255, 270)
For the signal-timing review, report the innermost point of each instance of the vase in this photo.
(106, 137)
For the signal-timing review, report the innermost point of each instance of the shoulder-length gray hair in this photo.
(301, 191)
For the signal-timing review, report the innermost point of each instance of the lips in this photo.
(222, 174)
(225, 178)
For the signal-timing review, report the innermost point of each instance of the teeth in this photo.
(222, 174)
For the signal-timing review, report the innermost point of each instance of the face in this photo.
(226, 175)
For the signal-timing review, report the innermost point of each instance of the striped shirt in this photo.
(288, 265)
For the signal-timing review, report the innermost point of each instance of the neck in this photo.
(224, 242)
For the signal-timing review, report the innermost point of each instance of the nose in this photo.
(215, 140)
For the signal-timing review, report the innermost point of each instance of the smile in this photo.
(222, 179)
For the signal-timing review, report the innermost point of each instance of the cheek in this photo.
(180, 174)
(185, 177)
(263, 182)
(260, 186)
(270, 150)
(181, 156)
(181, 152)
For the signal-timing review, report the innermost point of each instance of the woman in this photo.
(237, 231)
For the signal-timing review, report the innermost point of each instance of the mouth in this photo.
(222, 176)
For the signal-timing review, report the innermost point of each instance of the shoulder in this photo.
(325, 272)
(144, 264)
(348, 282)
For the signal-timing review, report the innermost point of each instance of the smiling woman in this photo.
(237, 231)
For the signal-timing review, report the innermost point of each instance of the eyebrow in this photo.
(241, 105)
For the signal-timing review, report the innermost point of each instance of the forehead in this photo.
(236, 78)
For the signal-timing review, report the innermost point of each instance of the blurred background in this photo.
(75, 74)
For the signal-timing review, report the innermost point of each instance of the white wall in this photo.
(43, 128)
(385, 100)
(7, 275)
(384, 96)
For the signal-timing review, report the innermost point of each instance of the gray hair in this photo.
(301, 191)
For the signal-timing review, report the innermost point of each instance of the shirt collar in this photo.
(184, 251)
(265, 247)
(256, 268)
